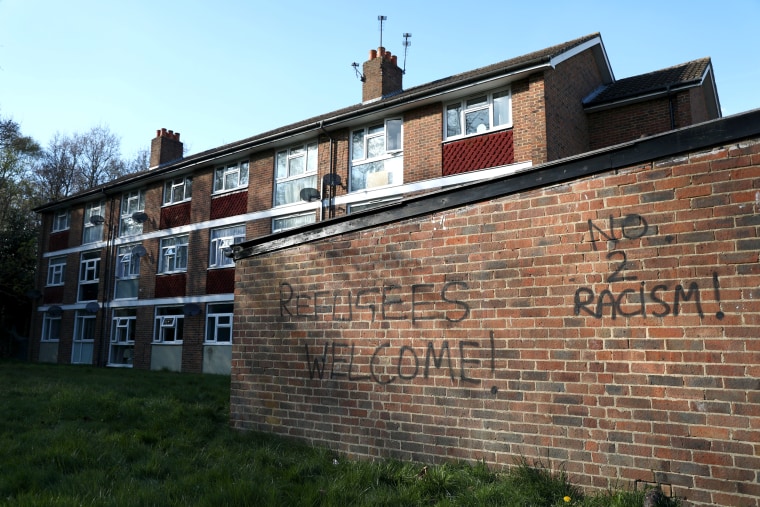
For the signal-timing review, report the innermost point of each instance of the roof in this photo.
(530, 62)
(680, 76)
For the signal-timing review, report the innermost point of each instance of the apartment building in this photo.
(138, 272)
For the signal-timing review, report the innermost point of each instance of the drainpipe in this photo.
(104, 323)
(331, 205)
(671, 108)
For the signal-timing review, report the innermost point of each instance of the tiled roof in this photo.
(689, 73)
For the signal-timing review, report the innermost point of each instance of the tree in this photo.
(18, 231)
(100, 159)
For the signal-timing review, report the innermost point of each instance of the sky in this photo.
(222, 71)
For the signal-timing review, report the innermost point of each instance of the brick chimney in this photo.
(382, 75)
(165, 147)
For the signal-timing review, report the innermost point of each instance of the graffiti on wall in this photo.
(470, 360)
(639, 299)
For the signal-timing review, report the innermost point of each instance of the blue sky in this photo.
(225, 70)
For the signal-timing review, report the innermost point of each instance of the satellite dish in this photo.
(139, 217)
(228, 252)
(92, 307)
(191, 309)
(139, 251)
(97, 219)
(55, 311)
(309, 194)
(332, 179)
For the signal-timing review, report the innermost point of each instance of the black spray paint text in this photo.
(338, 360)
(422, 301)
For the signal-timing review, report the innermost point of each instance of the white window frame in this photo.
(387, 160)
(182, 185)
(91, 232)
(127, 269)
(472, 105)
(169, 319)
(232, 176)
(61, 220)
(296, 166)
(81, 347)
(172, 249)
(219, 240)
(89, 272)
(217, 319)
(281, 223)
(131, 202)
(49, 324)
(123, 331)
(56, 274)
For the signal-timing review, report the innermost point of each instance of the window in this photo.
(219, 323)
(376, 155)
(173, 255)
(127, 272)
(93, 231)
(231, 177)
(169, 325)
(295, 169)
(51, 328)
(222, 239)
(178, 190)
(480, 114)
(122, 347)
(290, 221)
(89, 276)
(84, 338)
(61, 220)
(131, 202)
(56, 270)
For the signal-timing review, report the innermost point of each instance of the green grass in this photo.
(72, 435)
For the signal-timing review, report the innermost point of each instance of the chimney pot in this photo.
(372, 54)
(394, 60)
(381, 51)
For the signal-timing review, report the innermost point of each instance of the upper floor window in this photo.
(178, 190)
(92, 229)
(89, 276)
(56, 270)
(61, 220)
(127, 272)
(131, 203)
(376, 155)
(295, 169)
(231, 177)
(477, 115)
(173, 255)
(221, 239)
(290, 221)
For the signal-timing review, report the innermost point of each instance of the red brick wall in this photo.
(608, 325)
(529, 120)
(423, 129)
(626, 123)
(566, 86)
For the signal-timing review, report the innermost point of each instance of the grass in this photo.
(72, 435)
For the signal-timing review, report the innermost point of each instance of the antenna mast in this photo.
(406, 44)
(381, 19)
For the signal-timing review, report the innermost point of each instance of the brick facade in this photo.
(607, 323)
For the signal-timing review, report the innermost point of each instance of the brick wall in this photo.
(529, 120)
(607, 324)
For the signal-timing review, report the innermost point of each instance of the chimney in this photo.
(165, 147)
(382, 75)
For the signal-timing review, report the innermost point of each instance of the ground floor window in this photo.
(51, 327)
(169, 324)
(290, 221)
(122, 347)
(84, 337)
(219, 323)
